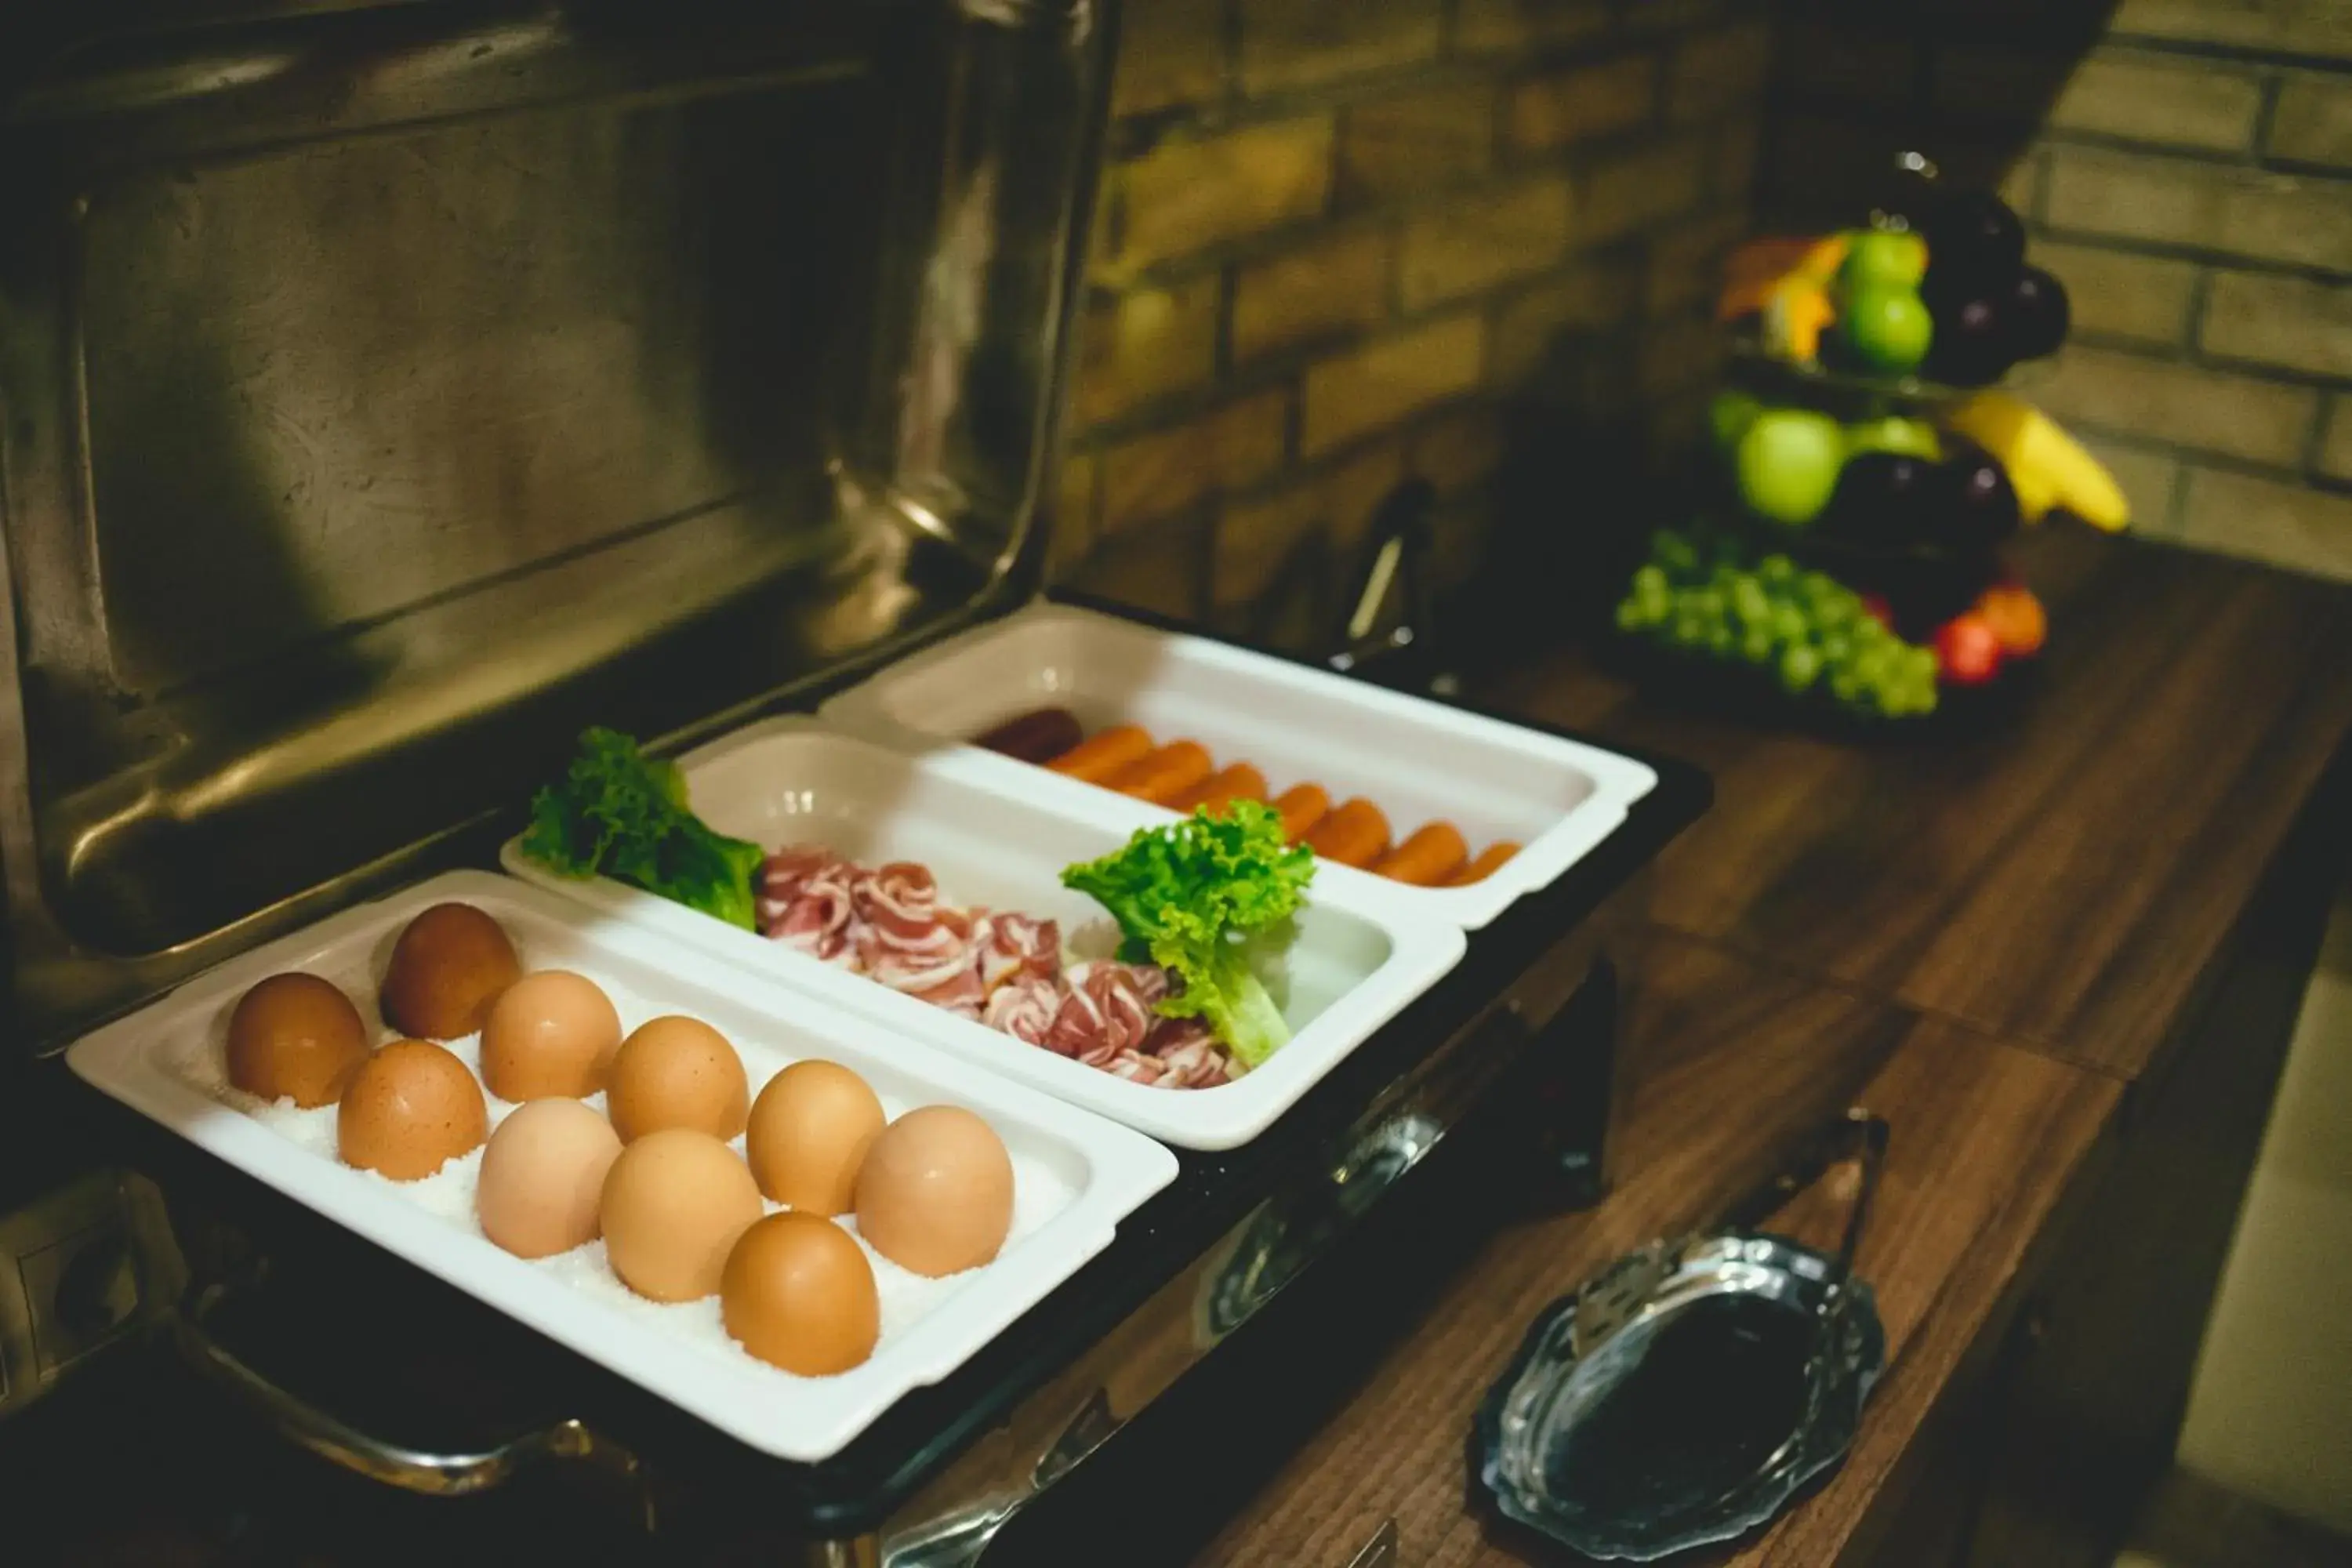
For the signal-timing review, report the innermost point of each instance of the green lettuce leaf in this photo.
(618, 813)
(1210, 898)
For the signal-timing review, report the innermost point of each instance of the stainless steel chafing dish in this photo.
(392, 389)
(387, 390)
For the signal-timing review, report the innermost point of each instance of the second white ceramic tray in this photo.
(1076, 1176)
(1419, 761)
(990, 841)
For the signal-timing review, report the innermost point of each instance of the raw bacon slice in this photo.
(1079, 1028)
(954, 986)
(1190, 1054)
(1108, 1010)
(899, 908)
(1137, 1067)
(1023, 1009)
(788, 873)
(804, 901)
(1127, 993)
(1017, 947)
(999, 967)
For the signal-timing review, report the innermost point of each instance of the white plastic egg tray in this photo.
(1076, 1176)
(1419, 761)
(1000, 840)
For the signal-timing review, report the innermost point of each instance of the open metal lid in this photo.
(389, 390)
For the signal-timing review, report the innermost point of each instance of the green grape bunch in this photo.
(1702, 597)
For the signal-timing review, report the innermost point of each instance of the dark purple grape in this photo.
(1947, 289)
(1972, 346)
(2036, 314)
(1974, 234)
(1877, 492)
(1983, 502)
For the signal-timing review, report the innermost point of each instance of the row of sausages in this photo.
(1183, 777)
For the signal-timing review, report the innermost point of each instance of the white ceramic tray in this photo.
(1076, 1176)
(1419, 761)
(994, 840)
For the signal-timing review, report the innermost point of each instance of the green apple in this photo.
(1905, 438)
(1884, 258)
(1788, 464)
(1887, 328)
(1731, 414)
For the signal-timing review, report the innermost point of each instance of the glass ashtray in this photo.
(1686, 1394)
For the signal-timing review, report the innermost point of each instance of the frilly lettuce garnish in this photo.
(618, 813)
(1206, 898)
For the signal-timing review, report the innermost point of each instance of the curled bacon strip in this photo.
(1024, 1009)
(1018, 947)
(1189, 1054)
(999, 967)
(805, 900)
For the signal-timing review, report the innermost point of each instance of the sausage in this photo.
(1490, 859)
(1302, 807)
(1353, 834)
(1168, 774)
(1240, 781)
(1105, 753)
(1036, 737)
(1435, 852)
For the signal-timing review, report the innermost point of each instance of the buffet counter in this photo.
(2062, 959)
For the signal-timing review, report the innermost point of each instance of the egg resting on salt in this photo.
(809, 1133)
(798, 1293)
(411, 1108)
(677, 1072)
(297, 1038)
(542, 1180)
(553, 1032)
(673, 1206)
(449, 965)
(935, 1195)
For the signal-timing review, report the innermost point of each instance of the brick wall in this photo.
(2186, 166)
(1337, 238)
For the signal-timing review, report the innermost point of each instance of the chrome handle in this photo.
(1397, 548)
(456, 1473)
(1381, 1550)
(1869, 1135)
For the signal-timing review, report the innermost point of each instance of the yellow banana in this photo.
(1794, 318)
(1824, 257)
(2047, 467)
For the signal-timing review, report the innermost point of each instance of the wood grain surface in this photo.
(2062, 881)
(1988, 934)
(1746, 1063)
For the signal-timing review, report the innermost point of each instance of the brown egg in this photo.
(410, 1110)
(674, 1205)
(810, 1130)
(543, 1177)
(798, 1293)
(553, 1032)
(679, 1072)
(295, 1036)
(936, 1192)
(448, 966)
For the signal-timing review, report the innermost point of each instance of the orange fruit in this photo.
(2016, 617)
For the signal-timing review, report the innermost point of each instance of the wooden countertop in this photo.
(2061, 882)
(1988, 1138)
(1988, 939)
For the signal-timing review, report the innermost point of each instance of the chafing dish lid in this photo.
(391, 390)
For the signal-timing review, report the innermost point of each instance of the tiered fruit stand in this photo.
(1869, 461)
